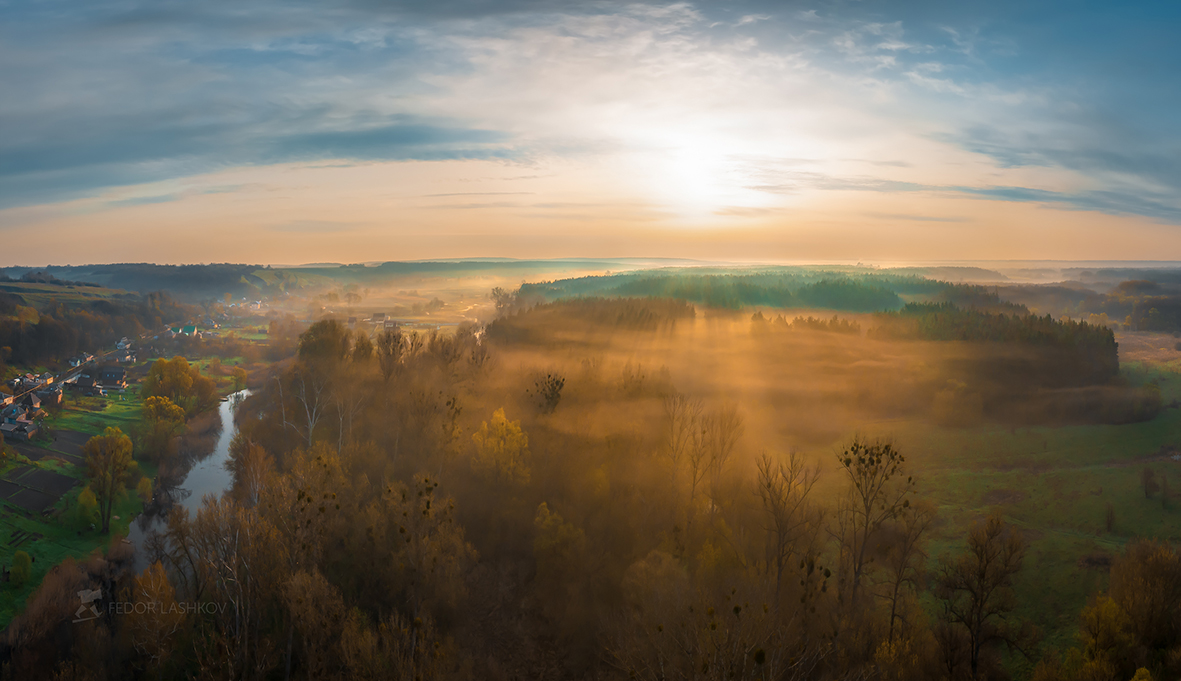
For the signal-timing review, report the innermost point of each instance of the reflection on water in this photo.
(198, 472)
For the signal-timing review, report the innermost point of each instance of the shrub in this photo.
(87, 508)
(144, 490)
(22, 567)
(547, 392)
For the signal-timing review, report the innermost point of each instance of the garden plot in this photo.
(31, 500)
(49, 482)
(33, 489)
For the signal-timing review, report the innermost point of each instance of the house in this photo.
(50, 397)
(46, 378)
(23, 431)
(83, 382)
(378, 317)
(11, 413)
(80, 359)
(30, 402)
(113, 377)
(352, 322)
(123, 344)
(190, 330)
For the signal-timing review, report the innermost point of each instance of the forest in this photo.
(610, 488)
(31, 336)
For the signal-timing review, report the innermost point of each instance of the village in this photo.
(46, 419)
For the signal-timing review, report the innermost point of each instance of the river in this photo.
(207, 475)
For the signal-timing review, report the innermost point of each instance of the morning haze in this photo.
(532, 340)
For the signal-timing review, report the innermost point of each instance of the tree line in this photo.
(29, 336)
(1081, 353)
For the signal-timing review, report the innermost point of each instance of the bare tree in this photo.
(253, 468)
(791, 520)
(389, 352)
(875, 495)
(311, 391)
(681, 417)
(1148, 482)
(697, 467)
(239, 559)
(722, 430)
(903, 563)
(977, 588)
(444, 348)
(712, 441)
(348, 403)
(413, 343)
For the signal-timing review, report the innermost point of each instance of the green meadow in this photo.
(61, 533)
(92, 415)
(42, 296)
(1056, 483)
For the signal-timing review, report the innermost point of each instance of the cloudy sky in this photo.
(360, 130)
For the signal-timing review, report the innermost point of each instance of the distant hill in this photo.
(204, 282)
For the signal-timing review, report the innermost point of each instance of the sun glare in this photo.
(695, 174)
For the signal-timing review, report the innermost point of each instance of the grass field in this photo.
(1055, 483)
(93, 414)
(41, 296)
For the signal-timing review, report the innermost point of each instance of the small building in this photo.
(11, 413)
(113, 377)
(378, 317)
(20, 432)
(46, 378)
(30, 402)
(80, 359)
(51, 397)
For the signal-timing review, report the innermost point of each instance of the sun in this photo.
(698, 175)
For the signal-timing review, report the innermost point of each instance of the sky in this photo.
(371, 130)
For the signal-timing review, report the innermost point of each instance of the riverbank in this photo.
(206, 475)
